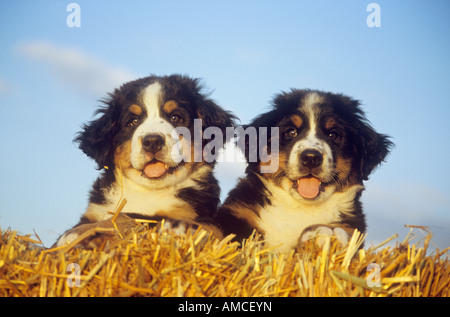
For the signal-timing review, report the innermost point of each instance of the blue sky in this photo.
(52, 76)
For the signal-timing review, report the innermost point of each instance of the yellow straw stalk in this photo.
(152, 262)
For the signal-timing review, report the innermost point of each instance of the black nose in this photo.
(311, 158)
(153, 143)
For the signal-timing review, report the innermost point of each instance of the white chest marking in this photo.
(142, 200)
(285, 219)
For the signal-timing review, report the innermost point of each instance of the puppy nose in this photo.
(311, 158)
(153, 143)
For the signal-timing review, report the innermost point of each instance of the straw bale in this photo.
(154, 262)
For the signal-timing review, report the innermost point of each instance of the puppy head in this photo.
(325, 143)
(135, 131)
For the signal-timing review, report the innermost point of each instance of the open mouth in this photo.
(309, 187)
(157, 169)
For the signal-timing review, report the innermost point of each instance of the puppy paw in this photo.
(176, 227)
(93, 235)
(321, 232)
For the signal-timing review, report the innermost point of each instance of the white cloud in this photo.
(76, 68)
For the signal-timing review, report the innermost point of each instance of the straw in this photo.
(154, 262)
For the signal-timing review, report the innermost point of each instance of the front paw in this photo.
(176, 227)
(94, 235)
(321, 232)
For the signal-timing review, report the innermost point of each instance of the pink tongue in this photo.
(155, 169)
(308, 187)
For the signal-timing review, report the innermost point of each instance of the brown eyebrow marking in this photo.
(135, 109)
(296, 120)
(330, 123)
(170, 106)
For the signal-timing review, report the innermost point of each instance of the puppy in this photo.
(325, 150)
(148, 142)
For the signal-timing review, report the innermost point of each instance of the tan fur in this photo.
(135, 109)
(122, 155)
(245, 212)
(296, 120)
(170, 106)
(331, 123)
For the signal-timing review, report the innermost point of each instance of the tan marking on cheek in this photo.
(170, 106)
(296, 120)
(122, 155)
(280, 174)
(343, 167)
(187, 148)
(135, 109)
(197, 146)
(281, 160)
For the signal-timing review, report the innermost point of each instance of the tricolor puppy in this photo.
(326, 150)
(133, 141)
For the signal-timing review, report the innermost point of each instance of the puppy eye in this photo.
(333, 135)
(175, 118)
(133, 122)
(291, 133)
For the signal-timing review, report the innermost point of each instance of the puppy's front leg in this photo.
(96, 233)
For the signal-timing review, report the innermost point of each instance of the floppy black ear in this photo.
(252, 134)
(375, 148)
(97, 138)
(213, 115)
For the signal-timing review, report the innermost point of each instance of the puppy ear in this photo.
(97, 138)
(375, 147)
(252, 134)
(214, 116)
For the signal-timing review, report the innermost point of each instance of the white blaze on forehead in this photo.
(310, 107)
(151, 98)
